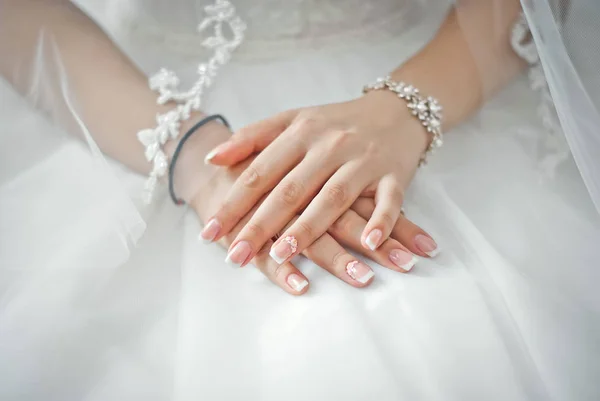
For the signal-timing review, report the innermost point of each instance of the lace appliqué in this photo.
(219, 16)
(523, 44)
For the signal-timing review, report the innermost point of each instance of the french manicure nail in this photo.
(284, 249)
(211, 155)
(403, 259)
(296, 282)
(359, 271)
(239, 253)
(219, 149)
(210, 231)
(373, 239)
(427, 245)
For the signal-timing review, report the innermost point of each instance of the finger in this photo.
(331, 256)
(282, 204)
(388, 203)
(250, 139)
(327, 253)
(286, 276)
(269, 167)
(413, 237)
(391, 254)
(336, 196)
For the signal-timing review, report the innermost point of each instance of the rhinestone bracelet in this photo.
(427, 109)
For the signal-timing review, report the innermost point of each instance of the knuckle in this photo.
(291, 193)
(336, 195)
(340, 138)
(278, 271)
(307, 122)
(398, 195)
(244, 132)
(387, 219)
(343, 225)
(369, 192)
(338, 260)
(250, 177)
(311, 253)
(305, 230)
(254, 230)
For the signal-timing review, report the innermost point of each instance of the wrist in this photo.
(191, 174)
(392, 114)
(457, 85)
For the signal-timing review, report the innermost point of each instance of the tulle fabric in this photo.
(565, 33)
(103, 299)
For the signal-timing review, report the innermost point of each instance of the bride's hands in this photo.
(327, 251)
(316, 162)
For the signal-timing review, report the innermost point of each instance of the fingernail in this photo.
(426, 245)
(403, 259)
(211, 155)
(296, 282)
(284, 249)
(373, 239)
(359, 271)
(239, 253)
(210, 231)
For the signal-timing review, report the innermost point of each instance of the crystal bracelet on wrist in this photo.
(426, 108)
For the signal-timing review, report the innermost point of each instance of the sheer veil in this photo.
(566, 36)
(557, 39)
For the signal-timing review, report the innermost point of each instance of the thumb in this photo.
(249, 140)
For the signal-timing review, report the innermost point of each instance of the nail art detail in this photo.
(373, 239)
(296, 282)
(359, 271)
(284, 249)
(403, 259)
(292, 241)
(427, 245)
(210, 231)
(238, 254)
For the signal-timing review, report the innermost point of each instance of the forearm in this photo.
(469, 59)
(110, 94)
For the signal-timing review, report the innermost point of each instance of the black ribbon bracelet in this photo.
(183, 140)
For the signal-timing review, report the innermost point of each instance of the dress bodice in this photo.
(274, 26)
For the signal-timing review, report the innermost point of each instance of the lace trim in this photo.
(257, 48)
(523, 44)
(166, 83)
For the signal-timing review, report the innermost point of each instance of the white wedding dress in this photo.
(102, 302)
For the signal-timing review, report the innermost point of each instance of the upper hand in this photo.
(316, 162)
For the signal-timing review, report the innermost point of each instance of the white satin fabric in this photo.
(103, 302)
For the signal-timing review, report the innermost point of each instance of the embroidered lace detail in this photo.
(219, 16)
(276, 28)
(523, 44)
